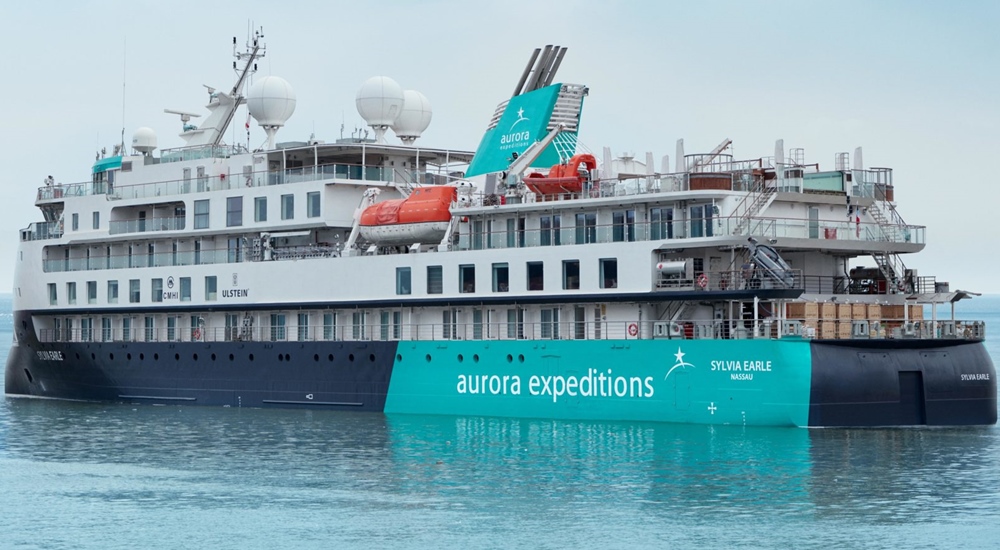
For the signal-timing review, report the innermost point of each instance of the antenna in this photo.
(124, 57)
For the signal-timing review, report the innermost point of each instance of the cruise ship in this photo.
(530, 278)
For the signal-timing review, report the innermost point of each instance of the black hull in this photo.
(902, 383)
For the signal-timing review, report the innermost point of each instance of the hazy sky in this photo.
(915, 83)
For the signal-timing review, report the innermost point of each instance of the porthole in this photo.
(177, 357)
(251, 357)
(111, 356)
(399, 358)
(92, 357)
(316, 357)
(142, 356)
(329, 358)
(371, 357)
(281, 357)
(428, 358)
(520, 358)
(129, 357)
(156, 357)
(475, 358)
(510, 358)
(213, 357)
(460, 358)
(78, 356)
(288, 357)
(350, 357)
(194, 356)
(232, 357)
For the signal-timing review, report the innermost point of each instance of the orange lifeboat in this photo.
(563, 178)
(423, 217)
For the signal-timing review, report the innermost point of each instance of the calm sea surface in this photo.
(78, 475)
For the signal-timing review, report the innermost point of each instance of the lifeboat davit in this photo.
(563, 178)
(423, 217)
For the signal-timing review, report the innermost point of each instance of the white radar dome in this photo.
(379, 102)
(414, 118)
(144, 140)
(271, 101)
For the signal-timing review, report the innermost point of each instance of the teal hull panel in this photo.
(750, 382)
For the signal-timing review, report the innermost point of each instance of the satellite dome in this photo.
(271, 101)
(414, 118)
(379, 102)
(144, 140)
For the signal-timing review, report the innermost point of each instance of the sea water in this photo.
(80, 475)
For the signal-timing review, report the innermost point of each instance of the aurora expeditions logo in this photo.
(680, 363)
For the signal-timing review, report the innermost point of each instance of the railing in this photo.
(144, 225)
(750, 278)
(554, 330)
(39, 231)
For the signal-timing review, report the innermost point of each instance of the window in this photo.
(312, 204)
(383, 322)
(53, 294)
(449, 324)
(287, 207)
(467, 278)
(127, 329)
(579, 323)
(477, 324)
(609, 273)
(234, 211)
(278, 327)
(157, 290)
(358, 322)
(435, 283)
(150, 329)
(661, 223)
(91, 292)
(232, 327)
(112, 292)
(76, 221)
(303, 327)
(211, 287)
(235, 250)
(550, 323)
(150, 255)
(196, 325)
(477, 235)
(397, 325)
(68, 329)
(571, 274)
(133, 291)
(201, 214)
(260, 209)
(57, 329)
(515, 323)
(623, 225)
(87, 329)
(106, 332)
(536, 279)
(511, 233)
(197, 253)
(96, 220)
(329, 326)
(586, 228)
(185, 289)
(501, 278)
(550, 230)
(402, 280)
(71, 293)
(701, 220)
(171, 328)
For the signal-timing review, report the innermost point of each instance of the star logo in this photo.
(520, 117)
(679, 363)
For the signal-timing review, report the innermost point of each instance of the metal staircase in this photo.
(891, 228)
(759, 197)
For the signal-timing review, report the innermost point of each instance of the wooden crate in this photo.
(892, 312)
(844, 330)
(875, 312)
(844, 312)
(916, 312)
(859, 311)
(828, 330)
(802, 310)
(827, 310)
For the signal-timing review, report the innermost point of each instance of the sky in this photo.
(915, 83)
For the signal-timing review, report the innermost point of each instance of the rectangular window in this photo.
(303, 327)
(171, 328)
(150, 329)
(150, 255)
(157, 290)
(211, 287)
(477, 235)
(68, 329)
(586, 228)
(234, 211)
(511, 233)
(96, 220)
(609, 273)
(467, 278)
(661, 223)
(435, 282)
(515, 323)
(580, 323)
(449, 324)
(197, 253)
(87, 329)
(133, 291)
(623, 225)
(477, 324)
(402, 280)
(278, 327)
(536, 276)
(71, 293)
(185, 289)
(106, 331)
(235, 250)
(358, 322)
(571, 275)
(260, 209)
(312, 204)
(701, 220)
(232, 327)
(201, 214)
(550, 323)
(91, 292)
(501, 278)
(127, 329)
(383, 324)
(329, 326)
(287, 207)
(397, 325)
(53, 294)
(76, 221)
(550, 230)
(112, 292)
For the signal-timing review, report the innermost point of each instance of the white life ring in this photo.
(703, 281)
(633, 329)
